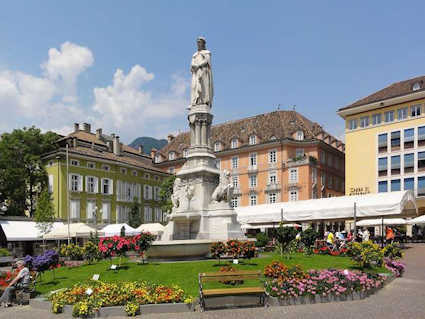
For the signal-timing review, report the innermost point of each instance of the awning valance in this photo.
(392, 204)
(75, 230)
(381, 221)
(17, 230)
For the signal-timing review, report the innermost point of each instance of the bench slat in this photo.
(233, 291)
(227, 278)
(219, 274)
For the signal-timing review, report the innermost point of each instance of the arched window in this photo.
(416, 86)
(217, 146)
(171, 156)
(272, 138)
(234, 143)
(299, 135)
(157, 158)
(185, 152)
(252, 140)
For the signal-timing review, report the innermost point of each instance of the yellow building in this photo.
(385, 141)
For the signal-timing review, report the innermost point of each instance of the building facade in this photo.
(104, 178)
(385, 141)
(273, 157)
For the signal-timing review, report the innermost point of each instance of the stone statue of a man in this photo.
(202, 90)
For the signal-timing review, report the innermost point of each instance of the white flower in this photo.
(346, 272)
(89, 291)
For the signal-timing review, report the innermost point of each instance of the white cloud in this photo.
(127, 106)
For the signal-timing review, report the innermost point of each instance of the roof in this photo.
(391, 91)
(280, 124)
(23, 230)
(370, 205)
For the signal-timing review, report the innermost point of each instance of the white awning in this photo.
(17, 230)
(115, 230)
(264, 226)
(334, 208)
(75, 230)
(418, 220)
(380, 221)
(153, 228)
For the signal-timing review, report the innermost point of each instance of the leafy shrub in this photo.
(74, 252)
(392, 251)
(91, 252)
(4, 252)
(284, 235)
(366, 254)
(43, 262)
(262, 240)
(308, 237)
(217, 250)
(132, 308)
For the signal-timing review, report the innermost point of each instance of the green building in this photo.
(104, 178)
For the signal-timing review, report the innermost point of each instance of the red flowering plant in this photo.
(115, 246)
(141, 243)
(233, 248)
(6, 277)
(217, 250)
(248, 250)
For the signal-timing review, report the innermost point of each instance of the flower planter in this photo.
(165, 308)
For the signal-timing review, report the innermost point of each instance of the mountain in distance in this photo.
(148, 143)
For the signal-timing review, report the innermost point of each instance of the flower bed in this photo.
(87, 298)
(324, 250)
(396, 267)
(325, 283)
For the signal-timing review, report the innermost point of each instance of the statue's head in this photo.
(201, 42)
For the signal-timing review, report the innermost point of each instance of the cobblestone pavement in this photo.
(403, 298)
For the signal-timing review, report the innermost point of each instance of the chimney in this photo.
(170, 138)
(86, 127)
(141, 149)
(117, 145)
(98, 133)
(76, 127)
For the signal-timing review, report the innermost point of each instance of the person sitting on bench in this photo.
(21, 281)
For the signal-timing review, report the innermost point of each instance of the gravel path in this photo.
(403, 298)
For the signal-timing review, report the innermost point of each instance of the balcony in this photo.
(237, 191)
(293, 185)
(273, 187)
(252, 169)
(298, 161)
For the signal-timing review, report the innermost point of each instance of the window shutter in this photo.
(80, 183)
(150, 192)
(51, 183)
(111, 188)
(96, 185)
(87, 183)
(102, 185)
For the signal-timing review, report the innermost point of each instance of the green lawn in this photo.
(184, 274)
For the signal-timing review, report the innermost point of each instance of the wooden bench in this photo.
(231, 290)
(24, 295)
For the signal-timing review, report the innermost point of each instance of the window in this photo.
(253, 200)
(50, 184)
(389, 116)
(272, 178)
(147, 214)
(234, 143)
(171, 156)
(382, 143)
(90, 209)
(91, 165)
(218, 163)
(293, 195)
(185, 152)
(376, 118)
(158, 214)
(415, 110)
(416, 86)
(147, 176)
(75, 209)
(382, 166)
(272, 138)
(217, 146)
(134, 173)
(75, 163)
(409, 184)
(76, 184)
(421, 136)
(235, 202)
(402, 113)
(157, 158)
(252, 140)
(148, 192)
(323, 179)
(107, 186)
(91, 184)
(409, 163)
(272, 156)
(395, 165)
(235, 162)
(253, 160)
(293, 175)
(123, 213)
(395, 141)
(253, 181)
(421, 186)
(106, 211)
(272, 198)
(299, 136)
(106, 167)
(123, 171)
(383, 187)
(235, 181)
(364, 121)
(409, 137)
(352, 124)
(314, 175)
(395, 185)
(421, 161)
(299, 152)
(322, 157)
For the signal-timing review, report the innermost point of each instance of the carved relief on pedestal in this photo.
(224, 190)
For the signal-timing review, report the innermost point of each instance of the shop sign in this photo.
(359, 191)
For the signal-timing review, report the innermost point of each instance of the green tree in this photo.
(44, 215)
(165, 194)
(22, 174)
(284, 235)
(135, 217)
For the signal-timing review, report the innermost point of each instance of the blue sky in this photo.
(124, 65)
